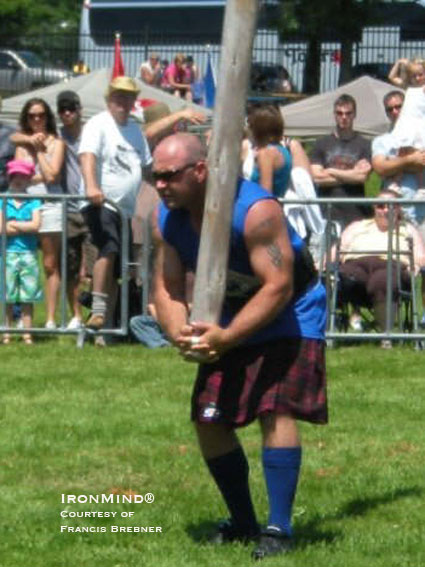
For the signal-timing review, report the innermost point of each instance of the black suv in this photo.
(375, 70)
(267, 78)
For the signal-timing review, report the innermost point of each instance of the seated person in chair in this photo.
(367, 271)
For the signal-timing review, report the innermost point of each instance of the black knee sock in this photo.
(230, 473)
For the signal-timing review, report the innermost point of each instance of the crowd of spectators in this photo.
(265, 357)
(340, 165)
(179, 77)
(107, 160)
(101, 159)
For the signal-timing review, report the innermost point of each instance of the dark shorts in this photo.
(76, 225)
(283, 377)
(105, 229)
(77, 231)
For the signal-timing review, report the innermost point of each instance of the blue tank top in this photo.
(304, 316)
(280, 175)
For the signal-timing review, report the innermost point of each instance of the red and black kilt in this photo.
(283, 377)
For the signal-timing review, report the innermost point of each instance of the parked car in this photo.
(267, 78)
(376, 70)
(22, 71)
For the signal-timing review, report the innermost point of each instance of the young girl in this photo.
(22, 221)
(407, 73)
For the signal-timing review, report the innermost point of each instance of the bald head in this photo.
(180, 172)
(180, 149)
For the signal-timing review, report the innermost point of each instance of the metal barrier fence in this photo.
(374, 54)
(393, 257)
(121, 331)
(332, 334)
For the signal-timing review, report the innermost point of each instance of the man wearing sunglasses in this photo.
(405, 168)
(264, 359)
(68, 107)
(341, 162)
(382, 146)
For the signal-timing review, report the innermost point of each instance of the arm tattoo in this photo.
(275, 254)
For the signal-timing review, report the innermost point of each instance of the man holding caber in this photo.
(265, 357)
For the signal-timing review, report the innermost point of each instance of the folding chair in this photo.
(346, 293)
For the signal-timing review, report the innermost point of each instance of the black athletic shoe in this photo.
(227, 533)
(272, 542)
(85, 299)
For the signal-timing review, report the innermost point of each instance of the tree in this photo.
(48, 27)
(23, 17)
(340, 20)
(13, 17)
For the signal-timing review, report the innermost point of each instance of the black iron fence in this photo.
(374, 54)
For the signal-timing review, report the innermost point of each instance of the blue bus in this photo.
(165, 26)
(189, 26)
(193, 27)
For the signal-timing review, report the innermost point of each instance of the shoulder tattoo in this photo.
(263, 225)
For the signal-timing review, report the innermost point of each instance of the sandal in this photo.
(6, 340)
(27, 339)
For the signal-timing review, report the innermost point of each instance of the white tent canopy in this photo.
(91, 89)
(314, 116)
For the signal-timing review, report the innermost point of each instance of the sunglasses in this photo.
(392, 108)
(386, 206)
(169, 175)
(343, 113)
(32, 115)
(68, 108)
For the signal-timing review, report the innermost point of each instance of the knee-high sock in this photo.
(99, 303)
(230, 473)
(281, 470)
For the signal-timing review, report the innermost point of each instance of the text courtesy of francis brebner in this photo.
(79, 511)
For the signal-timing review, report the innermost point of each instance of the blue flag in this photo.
(209, 84)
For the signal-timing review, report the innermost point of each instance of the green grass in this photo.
(373, 185)
(94, 420)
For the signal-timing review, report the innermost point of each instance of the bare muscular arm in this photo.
(271, 259)
(169, 287)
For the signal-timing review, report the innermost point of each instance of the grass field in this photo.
(94, 421)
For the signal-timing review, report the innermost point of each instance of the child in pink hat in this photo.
(22, 221)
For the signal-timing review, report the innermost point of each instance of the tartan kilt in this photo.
(284, 377)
